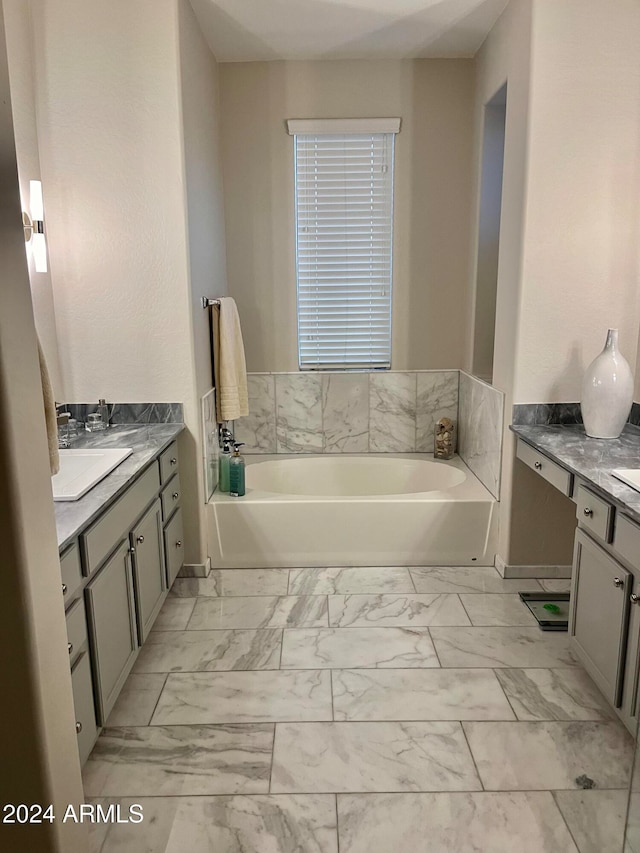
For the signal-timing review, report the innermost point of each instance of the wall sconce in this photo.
(34, 227)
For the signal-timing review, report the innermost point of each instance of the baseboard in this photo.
(546, 572)
(195, 570)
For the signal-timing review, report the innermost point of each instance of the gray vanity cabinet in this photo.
(86, 730)
(173, 536)
(111, 611)
(148, 568)
(599, 612)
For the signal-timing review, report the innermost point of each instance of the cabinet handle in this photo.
(78, 727)
(175, 496)
(588, 512)
(64, 589)
(132, 550)
(634, 598)
(179, 543)
(173, 461)
(69, 647)
(618, 582)
(537, 465)
(140, 539)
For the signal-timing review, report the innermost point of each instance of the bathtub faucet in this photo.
(224, 435)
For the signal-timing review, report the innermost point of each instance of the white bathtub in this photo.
(361, 510)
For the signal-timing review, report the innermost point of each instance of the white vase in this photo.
(607, 392)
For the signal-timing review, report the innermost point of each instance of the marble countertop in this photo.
(147, 441)
(591, 459)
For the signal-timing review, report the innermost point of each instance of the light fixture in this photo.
(34, 227)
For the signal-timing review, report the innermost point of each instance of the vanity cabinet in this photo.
(604, 620)
(115, 579)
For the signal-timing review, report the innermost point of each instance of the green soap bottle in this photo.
(236, 472)
(223, 467)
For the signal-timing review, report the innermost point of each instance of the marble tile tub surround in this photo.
(130, 413)
(377, 412)
(480, 425)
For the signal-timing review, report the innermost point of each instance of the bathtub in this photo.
(400, 509)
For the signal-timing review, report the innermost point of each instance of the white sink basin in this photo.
(80, 470)
(630, 476)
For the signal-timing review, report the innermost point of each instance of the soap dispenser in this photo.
(236, 472)
(223, 465)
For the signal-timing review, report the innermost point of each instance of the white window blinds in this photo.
(344, 239)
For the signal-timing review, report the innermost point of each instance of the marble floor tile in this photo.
(350, 757)
(137, 700)
(223, 582)
(493, 610)
(244, 697)
(201, 651)
(555, 584)
(554, 694)
(596, 818)
(502, 647)
(175, 760)
(452, 823)
(175, 614)
(350, 580)
(468, 579)
(346, 648)
(288, 611)
(418, 694)
(223, 824)
(551, 755)
(395, 611)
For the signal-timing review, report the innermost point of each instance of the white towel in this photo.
(232, 400)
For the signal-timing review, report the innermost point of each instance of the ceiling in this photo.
(251, 30)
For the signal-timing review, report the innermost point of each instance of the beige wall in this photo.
(505, 57)
(17, 15)
(432, 196)
(127, 120)
(204, 228)
(581, 265)
(38, 747)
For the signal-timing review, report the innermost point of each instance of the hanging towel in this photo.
(229, 363)
(49, 413)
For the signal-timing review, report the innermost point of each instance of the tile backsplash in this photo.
(480, 424)
(390, 412)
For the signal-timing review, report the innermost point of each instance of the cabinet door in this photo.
(149, 580)
(173, 536)
(631, 684)
(114, 641)
(86, 729)
(600, 608)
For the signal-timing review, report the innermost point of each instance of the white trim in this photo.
(195, 570)
(316, 126)
(544, 572)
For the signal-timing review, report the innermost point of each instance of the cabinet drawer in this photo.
(173, 547)
(70, 572)
(86, 728)
(170, 497)
(102, 537)
(541, 464)
(626, 540)
(594, 514)
(169, 463)
(76, 630)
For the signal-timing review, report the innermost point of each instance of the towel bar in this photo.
(207, 303)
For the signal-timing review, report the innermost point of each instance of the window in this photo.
(344, 240)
